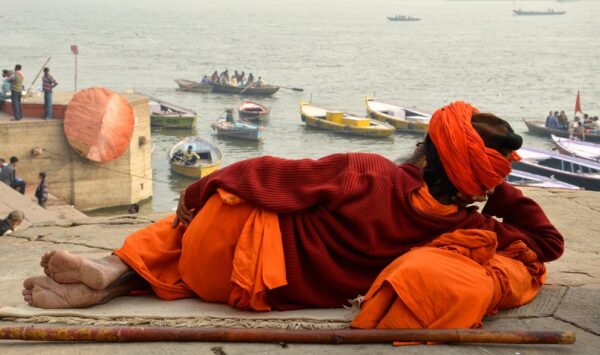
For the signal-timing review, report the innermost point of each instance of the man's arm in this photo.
(523, 219)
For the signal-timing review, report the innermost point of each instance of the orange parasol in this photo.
(99, 124)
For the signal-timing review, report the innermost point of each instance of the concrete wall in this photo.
(80, 182)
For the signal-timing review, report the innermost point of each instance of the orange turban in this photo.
(471, 166)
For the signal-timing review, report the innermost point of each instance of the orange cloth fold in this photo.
(470, 165)
(452, 282)
(231, 253)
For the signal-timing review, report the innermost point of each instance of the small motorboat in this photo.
(577, 148)
(252, 111)
(522, 178)
(210, 157)
(227, 126)
(548, 12)
(403, 18)
(343, 123)
(192, 86)
(576, 171)
(402, 118)
(167, 115)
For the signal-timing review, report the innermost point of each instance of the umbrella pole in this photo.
(341, 336)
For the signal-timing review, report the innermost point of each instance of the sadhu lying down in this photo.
(270, 233)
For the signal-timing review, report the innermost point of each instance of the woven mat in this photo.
(148, 310)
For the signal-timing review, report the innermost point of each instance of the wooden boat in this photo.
(164, 114)
(236, 129)
(192, 86)
(579, 149)
(572, 170)
(403, 18)
(549, 12)
(522, 178)
(210, 157)
(252, 111)
(343, 123)
(403, 119)
(539, 128)
(265, 90)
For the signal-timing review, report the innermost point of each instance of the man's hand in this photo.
(183, 214)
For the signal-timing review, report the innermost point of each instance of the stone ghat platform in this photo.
(569, 301)
(33, 106)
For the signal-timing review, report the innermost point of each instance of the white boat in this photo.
(402, 118)
(577, 148)
(576, 171)
(522, 178)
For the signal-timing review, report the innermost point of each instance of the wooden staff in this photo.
(342, 336)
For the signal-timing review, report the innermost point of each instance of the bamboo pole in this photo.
(343, 336)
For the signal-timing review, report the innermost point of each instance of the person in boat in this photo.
(190, 157)
(260, 82)
(563, 120)
(315, 233)
(233, 81)
(576, 127)
(595, 125)
(237, 76)
(229, 115)
(552, 121)
(242, 76)
(224, 77)
(205, 81)
(587, 120)
(215, 77)
(250, 80)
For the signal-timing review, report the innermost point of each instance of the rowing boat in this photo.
(579, 172)
(252, 111)
(192, 86)
(576, 148)
(402, 118)
(252, 90)
(522, 178)
(210, 157)
(236, 129)
(538, 128)
(343, 123)
(167, 115)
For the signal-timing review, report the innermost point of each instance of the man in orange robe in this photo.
(273, 233)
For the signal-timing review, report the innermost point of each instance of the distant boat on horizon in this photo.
(403, 18)
(548, 12)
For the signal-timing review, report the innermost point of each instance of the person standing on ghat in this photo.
(48, 83)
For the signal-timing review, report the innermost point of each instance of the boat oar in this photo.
(246, 88)
(291, 88)
(340, 336)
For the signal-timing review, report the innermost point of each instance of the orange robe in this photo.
(452, 282)
(231, 253)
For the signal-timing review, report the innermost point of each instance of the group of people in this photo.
(560, 121)
(13, 87)
(236, 79)
(316, 233)
(8, 175)
(187, 157)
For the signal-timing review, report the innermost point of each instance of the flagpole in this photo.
(75, 72)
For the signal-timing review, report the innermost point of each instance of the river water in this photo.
(338, 51)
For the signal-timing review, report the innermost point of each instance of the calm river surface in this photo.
(338, 51)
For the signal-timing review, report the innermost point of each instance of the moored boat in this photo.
(522, 178)
(210, 157)
(167, 115)
(236, 129)
(403, 119)
(192, 86)
(252, 111)
(579, 172)
(576, 148)
(539, 128)
(343, 123)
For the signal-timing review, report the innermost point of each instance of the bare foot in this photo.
(66, 268)
(43, 292)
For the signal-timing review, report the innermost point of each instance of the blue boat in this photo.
(230, 128)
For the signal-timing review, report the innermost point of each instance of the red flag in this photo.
(577, 104)
(74, 49)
